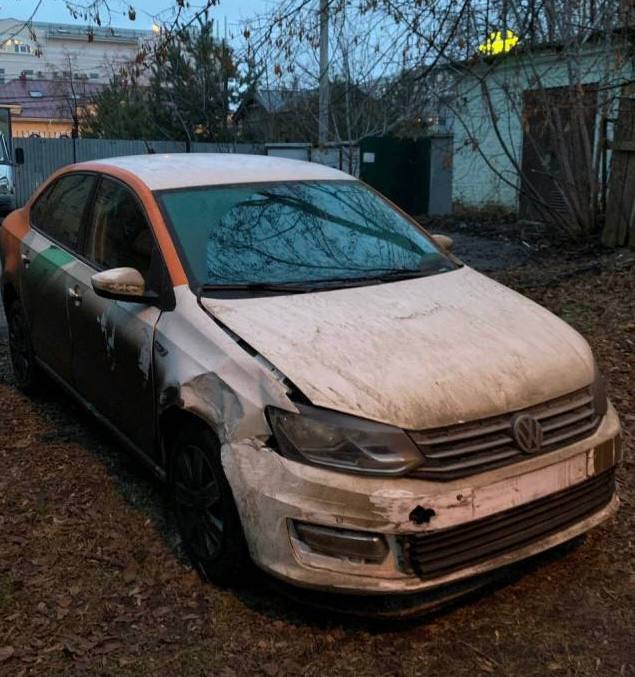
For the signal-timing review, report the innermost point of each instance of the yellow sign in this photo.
(499, 42)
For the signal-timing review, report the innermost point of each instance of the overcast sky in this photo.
(147, 10)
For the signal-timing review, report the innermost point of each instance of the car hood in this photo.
(417, 353)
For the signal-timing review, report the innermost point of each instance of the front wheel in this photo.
(25, 369)
(206, 514)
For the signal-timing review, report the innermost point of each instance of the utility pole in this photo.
(323, 115)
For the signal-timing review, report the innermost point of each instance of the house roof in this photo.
(46, 99)
(184, 170)
(73, 31)
(524, 48)
(275, 100)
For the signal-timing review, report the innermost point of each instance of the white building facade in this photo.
(40, 50)
(496, 129)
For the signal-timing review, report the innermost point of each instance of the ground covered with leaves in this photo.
(92, 579)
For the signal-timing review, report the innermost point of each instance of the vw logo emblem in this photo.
(527, 432)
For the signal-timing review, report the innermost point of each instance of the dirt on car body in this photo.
(92, 580)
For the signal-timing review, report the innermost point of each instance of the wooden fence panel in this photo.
(619, 227)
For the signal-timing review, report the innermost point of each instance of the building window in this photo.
(94, 76)
(1, 76)
(16, 46)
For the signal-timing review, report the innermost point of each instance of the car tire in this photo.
(26, 371)
(203, 503)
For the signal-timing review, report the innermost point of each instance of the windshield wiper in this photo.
(291, 287)
(321, 285)
(401, 274)
(387, 276)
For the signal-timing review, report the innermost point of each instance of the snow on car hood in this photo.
(417, 353)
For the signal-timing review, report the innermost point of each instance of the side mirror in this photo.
(122, 284)
(444, 242)
(19, 156)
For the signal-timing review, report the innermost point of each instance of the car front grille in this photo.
(438, 553)
(470, 448)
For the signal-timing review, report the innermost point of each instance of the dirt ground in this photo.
(92, 580)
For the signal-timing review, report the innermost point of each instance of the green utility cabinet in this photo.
(416, 174)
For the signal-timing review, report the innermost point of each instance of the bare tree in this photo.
(558, 88)
(549, 97)
(377, 63)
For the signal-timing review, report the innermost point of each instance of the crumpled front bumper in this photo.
(272, 491)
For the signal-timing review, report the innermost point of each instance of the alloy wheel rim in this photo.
(198, 503)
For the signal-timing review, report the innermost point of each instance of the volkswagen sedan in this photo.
(326, 390)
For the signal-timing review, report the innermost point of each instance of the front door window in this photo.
(120, 236)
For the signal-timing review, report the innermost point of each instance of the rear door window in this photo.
(60, 211)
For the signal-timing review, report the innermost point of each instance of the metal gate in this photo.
(415, 174)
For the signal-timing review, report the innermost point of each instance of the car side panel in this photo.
(12, 231)
(201, 369)
(112, 357)
(43, 288)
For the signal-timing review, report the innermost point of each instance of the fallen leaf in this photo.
(161, 611)
(130, 573)
(108, 647)
(271, 669)
(190, 617)
(5, 653)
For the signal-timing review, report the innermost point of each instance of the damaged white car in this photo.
(327, 391)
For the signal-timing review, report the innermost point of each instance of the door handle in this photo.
(75, 295)
(26, 261)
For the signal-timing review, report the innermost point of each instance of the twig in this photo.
(483, 655)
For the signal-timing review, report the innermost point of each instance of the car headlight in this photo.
(4, 184)
(326, 438)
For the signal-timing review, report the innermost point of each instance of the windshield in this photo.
(295, 232)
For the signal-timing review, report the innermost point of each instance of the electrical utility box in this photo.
(416, 174)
